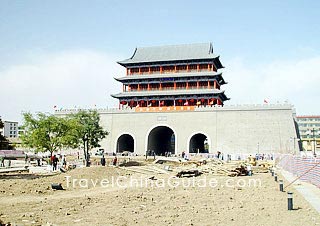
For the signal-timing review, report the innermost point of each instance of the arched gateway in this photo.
(161, 139)
(125, 143)
(198, 143)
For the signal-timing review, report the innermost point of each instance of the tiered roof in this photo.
(161, 54)
(172, 55)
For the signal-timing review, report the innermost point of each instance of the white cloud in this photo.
(297, 81)
(74, 78)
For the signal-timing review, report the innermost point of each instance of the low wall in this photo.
(231, 129)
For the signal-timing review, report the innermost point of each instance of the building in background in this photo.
(10, 129)
(309, 129)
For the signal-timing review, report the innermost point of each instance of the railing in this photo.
(170, 88)
(307, 168)
(167, 72)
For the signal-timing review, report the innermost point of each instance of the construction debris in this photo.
(131, 163)
(56, 186)
(195, 167)
(172, 160)
(190, 173)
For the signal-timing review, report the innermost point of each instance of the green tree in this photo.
(87, 132)
(46, 132)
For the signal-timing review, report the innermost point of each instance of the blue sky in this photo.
(51, 51)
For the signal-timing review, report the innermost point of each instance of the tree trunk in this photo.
(85, 152)
(88, 155)
(50, 160)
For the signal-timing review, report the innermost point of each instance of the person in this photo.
(51, 159)
(249, 170)
(64, 161)
(186, 157)
(1, 161)
(183, 154)
(103, 161)
(25, 158)
(55, 161)
(114, 162)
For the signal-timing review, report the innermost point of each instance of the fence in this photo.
(307, 168)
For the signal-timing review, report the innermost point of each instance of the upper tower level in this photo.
(174, 75)
(172, 59)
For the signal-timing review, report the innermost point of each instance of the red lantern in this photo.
(180, 101)
(202, 99)
(192, 100)
(142, 101)
(153, 101)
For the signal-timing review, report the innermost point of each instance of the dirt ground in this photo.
(97, 199)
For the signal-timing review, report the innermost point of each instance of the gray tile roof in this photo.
(171, 53)
(168, 92)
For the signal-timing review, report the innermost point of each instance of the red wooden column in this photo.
(187, 87)
(187, 67)
(198, 67)
(161, 71)
(174, 85)
(138, 86)
(149, 70)
(197, 84)
(213, 100)
(160, 87)
(139, 71)
(215, 84)
(148, 86)
(208, 67)
(208, 85)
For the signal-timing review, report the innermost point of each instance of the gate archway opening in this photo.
(161, 140)
(199, 144)
(125, 143)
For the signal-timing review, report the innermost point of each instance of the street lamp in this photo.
(312, 131)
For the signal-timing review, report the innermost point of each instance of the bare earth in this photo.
(29, 200)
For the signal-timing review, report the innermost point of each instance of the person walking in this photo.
(64, 162)
(1, 161)
(103, 161)
(114, 162)
(55, 161)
